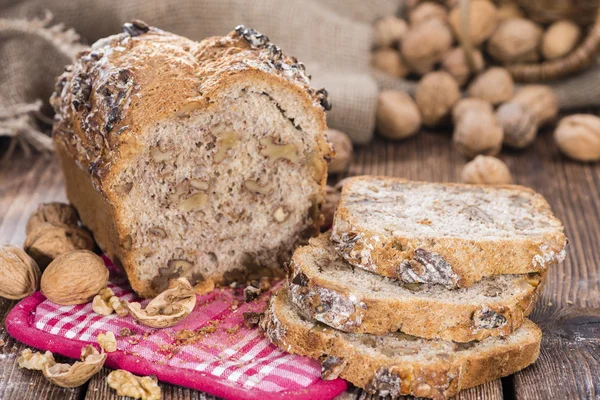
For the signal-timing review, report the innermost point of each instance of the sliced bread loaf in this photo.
(450, 234)
(325, 287)
(192, 159)
(398, 364)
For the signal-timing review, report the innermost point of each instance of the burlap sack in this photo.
(332, 37)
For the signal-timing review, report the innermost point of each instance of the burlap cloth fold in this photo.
(332, 37)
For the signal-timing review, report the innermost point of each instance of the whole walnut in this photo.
(398, 116)
(74, 278)
(516, 40)
(476, 130)
(455, 64)
(540, 100)
(427, 10)
(519, 124)
(482, 22)
(389, 31)
(425, 44)
(509, 9)
(53, 213)
(494, 85)
(19, 273)
(49, 241)
(343, 150)
(560, 39)
(578, 136)
(486, 170)
(390, 62)
(436, 93)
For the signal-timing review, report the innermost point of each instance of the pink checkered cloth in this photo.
(231, 361)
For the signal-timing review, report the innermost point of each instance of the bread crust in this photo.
(463, 261)
(440, 377)
(334, 303)
(127, 83)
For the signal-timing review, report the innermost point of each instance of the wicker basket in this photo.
(583, 12)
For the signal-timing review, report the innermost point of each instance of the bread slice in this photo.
(192, 159)
(398, 364)
(326, 288)
(450, 234)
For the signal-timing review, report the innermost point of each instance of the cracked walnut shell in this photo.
(19, 273)
(69, 376)
(168, 308)
(486, 170)
(578, 136)
(74, 278)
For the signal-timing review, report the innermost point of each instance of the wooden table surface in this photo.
(568, 311)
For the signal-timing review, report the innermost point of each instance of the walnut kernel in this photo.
(275, 151)
(107, 341)
(138, 387)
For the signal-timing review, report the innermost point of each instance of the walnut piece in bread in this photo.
(178, 155)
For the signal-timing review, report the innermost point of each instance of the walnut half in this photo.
(70, 376)
(169, 307)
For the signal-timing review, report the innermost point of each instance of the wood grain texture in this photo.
(568, 312)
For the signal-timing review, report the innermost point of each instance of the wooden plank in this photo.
(569, 357)
(569, 309)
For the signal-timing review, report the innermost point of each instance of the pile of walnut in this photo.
(57, 259)
(494, 114)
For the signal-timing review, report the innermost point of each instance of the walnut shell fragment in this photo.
(168, 308)
(69, 376)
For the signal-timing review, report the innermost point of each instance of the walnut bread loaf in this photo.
(399, 364)
(192, 159)
(448, 234)
(324, 287)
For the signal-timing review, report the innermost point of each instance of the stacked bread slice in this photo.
(420, 288)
